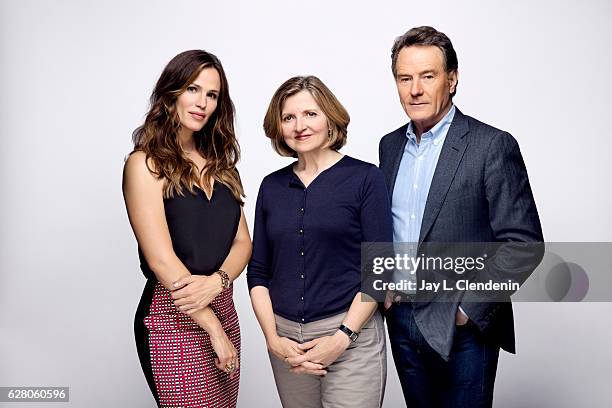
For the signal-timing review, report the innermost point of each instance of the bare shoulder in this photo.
(138, 169)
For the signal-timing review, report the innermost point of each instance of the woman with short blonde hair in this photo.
(326, 346)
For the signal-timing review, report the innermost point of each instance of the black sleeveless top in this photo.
(202, 231)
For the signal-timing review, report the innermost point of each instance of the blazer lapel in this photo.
(398, 151)
(450, 157)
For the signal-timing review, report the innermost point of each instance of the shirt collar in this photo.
(436, 132)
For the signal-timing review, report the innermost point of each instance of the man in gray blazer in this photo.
(452, 178)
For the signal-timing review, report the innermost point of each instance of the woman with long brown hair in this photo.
(184, 196)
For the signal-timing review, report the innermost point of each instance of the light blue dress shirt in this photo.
(412, 184)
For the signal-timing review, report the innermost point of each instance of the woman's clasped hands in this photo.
(311, 357)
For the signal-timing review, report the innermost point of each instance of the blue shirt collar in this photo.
(436, 132)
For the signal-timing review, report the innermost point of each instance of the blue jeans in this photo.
(466, 380)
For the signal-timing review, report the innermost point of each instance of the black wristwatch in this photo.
(351, 334)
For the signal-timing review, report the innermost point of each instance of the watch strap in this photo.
(351, 334)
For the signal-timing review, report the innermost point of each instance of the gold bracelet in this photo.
(225, 282)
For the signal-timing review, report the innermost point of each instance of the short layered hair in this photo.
(426, 36)
(337, 116)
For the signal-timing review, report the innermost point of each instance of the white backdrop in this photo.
(75, 79)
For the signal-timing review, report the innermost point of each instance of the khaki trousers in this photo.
(356, 379)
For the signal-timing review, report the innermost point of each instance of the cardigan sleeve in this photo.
(258, 271)
(377, 230)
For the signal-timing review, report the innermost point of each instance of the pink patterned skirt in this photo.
(177, 356)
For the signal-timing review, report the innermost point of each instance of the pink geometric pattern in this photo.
(182, 357)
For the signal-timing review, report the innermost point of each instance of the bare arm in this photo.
(143, 194)
(262, 305)
(240, 253)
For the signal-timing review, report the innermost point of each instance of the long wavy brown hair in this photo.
(158, 137)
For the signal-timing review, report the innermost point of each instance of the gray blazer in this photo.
(479, 193)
